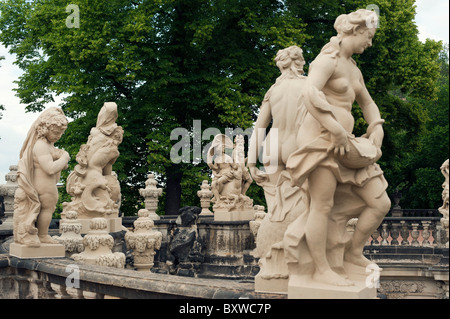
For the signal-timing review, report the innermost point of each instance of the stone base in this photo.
(230, 216)
(44, 251)
(306, 288)
(114, 224)
(206, 213)
(7, 225)
(273, 285)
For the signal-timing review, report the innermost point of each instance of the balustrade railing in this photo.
(410, 231)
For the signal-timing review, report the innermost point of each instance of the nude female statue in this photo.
(322, 166)
(40, 167)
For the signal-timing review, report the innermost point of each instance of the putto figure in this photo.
(337, 170)
(93, 185)
(39, 170)
(231, 179)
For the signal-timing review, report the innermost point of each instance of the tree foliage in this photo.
(165, 63)
(168, 63)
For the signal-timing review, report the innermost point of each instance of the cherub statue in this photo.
(231, 178)
(39, 170)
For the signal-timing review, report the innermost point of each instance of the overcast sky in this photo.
(432, 20)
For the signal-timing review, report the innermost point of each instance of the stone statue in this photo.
(231, 178)
(337, 170)
(39, 170)
(444, 208)
(7, 191)
(93, 185)
(284, 201)
(185, 245)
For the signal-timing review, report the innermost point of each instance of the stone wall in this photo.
(222, 266)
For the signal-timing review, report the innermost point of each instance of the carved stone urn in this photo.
(151, 194)
(71, 237)
(143, 241)
(97, 246)
(205, 194)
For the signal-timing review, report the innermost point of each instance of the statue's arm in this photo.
(45, 159)
(317, 105)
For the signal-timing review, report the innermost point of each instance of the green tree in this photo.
(168, 63)
(422, 186)
(165, 63)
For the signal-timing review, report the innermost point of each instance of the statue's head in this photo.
(356, 21)
(360, 26)
(51, 124)
(290, 59)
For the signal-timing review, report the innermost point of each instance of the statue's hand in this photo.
(376, 136)
(258, 175)
(339, 143)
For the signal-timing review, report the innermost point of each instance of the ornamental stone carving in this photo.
(444, 209)
(143, 241)
(7, 191)
(399, 289)
(93, 186)
(151, 193)
(231, 180)
(205, 194)
(97, 246)
(70, 237)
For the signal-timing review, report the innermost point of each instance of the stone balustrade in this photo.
(410, 231)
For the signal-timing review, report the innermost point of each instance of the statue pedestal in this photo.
(303, 287)
(44, 251)
(231, 216)
(273, 275)
(273, 285)
(114, 224)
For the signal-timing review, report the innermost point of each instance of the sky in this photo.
(432, 20)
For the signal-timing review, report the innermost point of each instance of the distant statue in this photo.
(93, 185)
(185, 245)
(445, 192)
(231, 178)
(39, 170)
(337, 170)
(444, 208)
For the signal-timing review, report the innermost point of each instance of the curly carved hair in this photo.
(348, 23)
(290, 58)
(51, 116)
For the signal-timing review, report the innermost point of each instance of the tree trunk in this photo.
(173, 192)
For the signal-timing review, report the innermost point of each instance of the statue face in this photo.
(55, 132)
(362, 40)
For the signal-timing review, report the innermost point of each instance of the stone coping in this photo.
(128, 283)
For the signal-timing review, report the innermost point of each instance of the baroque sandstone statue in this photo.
(231, 179)
(284, 201)
(39, 170)
(333, 176)
(93, 185)
(337, 170)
